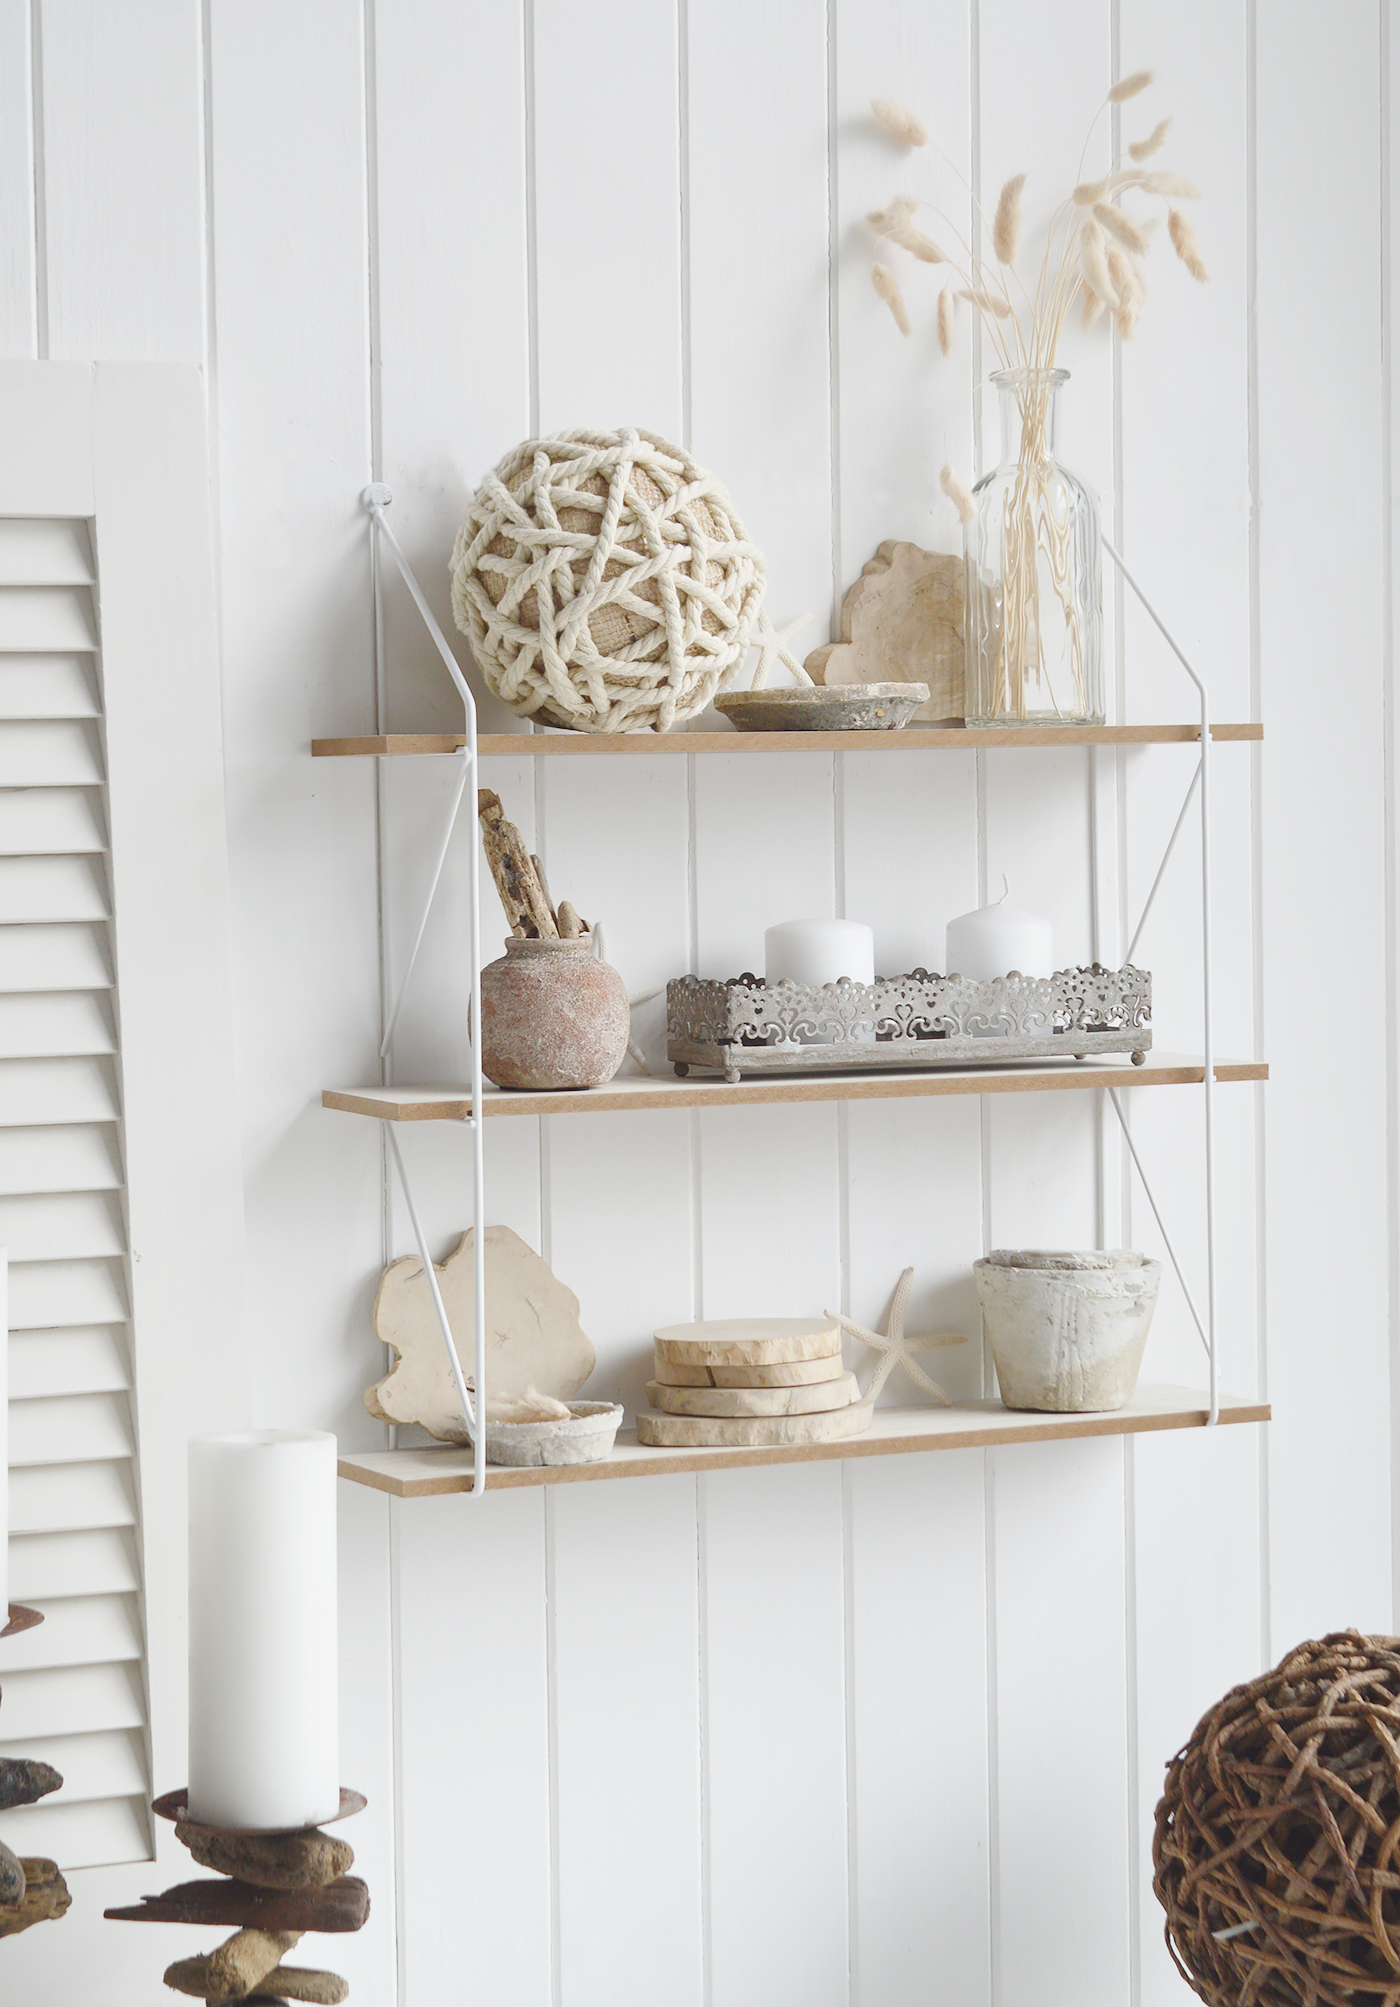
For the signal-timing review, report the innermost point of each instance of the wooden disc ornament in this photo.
(1277, 1849)
(605, 582)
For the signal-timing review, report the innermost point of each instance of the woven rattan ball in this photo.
(605, 582)
(1282, 1815)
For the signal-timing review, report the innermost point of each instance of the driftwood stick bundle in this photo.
(520, 879)
(526, 904)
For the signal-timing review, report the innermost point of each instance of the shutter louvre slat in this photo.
(70, 1428)
(45, 550)
(50, 753)
(89, 1360)
(61, 957)
(66, 1157)
(40, 1705)
(104, 1834)
(45, 890)
(61, 1498)
(50, 821)
(35, 618)
(59, 1227)
(48, 687)
(78, 1631)
(37, 1092)
(48, 1295)
(56, 1565)
(56, 1025)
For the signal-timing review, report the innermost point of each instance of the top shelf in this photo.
(399, 745)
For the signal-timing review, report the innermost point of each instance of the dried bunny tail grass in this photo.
(898, 122)
(989, 303)
(946, 309)
(1143, 149)
(887, 286)
(1093, 263)
(1093, 308)
(1117, 223)
(1006, 230)
(1170, 184)
(1090, 192)
(1129, 87)
(955, 488)
(1128, 284)
(914, 241)
(1184, 244)
(884, 222)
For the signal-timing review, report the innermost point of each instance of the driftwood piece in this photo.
(526, 906)
(46, 1897)
(538, 863)
(341, 1906)
(291, 1982)
(271, 1860)
(12, 1882)
(902, 622)
(23, 1781)
(571, 928)
(241, 1965)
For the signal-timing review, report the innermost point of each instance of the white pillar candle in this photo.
(819, 951)
(264, 1726)
(996, 939)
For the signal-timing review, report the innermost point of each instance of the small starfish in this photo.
(773, 641)
(896, 1346)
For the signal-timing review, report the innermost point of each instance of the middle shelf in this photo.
(453, 1103)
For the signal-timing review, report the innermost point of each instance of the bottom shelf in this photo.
(427, 1473)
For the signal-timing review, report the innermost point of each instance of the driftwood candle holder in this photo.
(275, 1887)
(745, 1025)
(31, 1890)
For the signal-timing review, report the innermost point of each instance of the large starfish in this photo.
(897, 1346)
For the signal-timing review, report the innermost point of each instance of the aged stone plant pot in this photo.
(552, 1016)
(1067, 1331)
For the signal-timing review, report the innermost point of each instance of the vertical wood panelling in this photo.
(775, 1747)
(1329, 1501)
(473, 1743)
(19, 334)
(123, 180)
(431, 230)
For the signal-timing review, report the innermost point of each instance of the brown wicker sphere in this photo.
(1282, 1814)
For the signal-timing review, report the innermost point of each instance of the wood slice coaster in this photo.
(175, 1805)
(795, 1373)
(748, 1341)
(704, 1432)
(20, 1619)
(824, 1398)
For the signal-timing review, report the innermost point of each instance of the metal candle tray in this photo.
(744, 1025)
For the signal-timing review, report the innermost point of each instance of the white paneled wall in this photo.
(871, 1734)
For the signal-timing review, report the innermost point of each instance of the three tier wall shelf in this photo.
(413, 1473)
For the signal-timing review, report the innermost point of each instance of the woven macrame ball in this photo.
(1282, 1814)
(605, 582)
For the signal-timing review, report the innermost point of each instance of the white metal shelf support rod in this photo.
(453, 809)
(1207, 974)
(1157, 1215)
(1180, 824)
(376, 500)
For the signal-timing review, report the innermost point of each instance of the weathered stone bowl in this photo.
(1067, 1331)
(844, 707)
(587, 1437)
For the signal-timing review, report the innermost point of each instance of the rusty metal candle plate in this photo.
(905, 1023)
(21, 1619)
(175, 1805)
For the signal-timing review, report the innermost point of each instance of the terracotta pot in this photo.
(552, 1015)
(1067, 1331)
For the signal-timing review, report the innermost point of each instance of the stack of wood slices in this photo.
(751, 1380)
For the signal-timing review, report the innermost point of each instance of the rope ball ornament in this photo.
(606, 583)
(1277, 1849)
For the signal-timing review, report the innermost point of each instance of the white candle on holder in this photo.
(264, 1723)
(818, 951)
(995, 939)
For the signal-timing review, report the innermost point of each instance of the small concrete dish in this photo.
(587, 1437)
(1067, 1331)
(845, 707)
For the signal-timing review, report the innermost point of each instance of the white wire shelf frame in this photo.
(376, 500)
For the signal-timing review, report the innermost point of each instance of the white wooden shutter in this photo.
(119, 1198)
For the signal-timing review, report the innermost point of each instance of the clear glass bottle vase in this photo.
(1034, 602)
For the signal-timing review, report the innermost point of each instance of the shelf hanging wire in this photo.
(376, 499)
(1203, 776)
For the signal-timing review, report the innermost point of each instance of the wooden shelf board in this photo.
(453, 1104)
(398, 745)
(428, 1473)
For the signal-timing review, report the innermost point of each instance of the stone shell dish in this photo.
(1067, 1331)
(587, 1437)
(848, 707)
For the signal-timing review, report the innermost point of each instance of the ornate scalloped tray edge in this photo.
(903, 1023)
